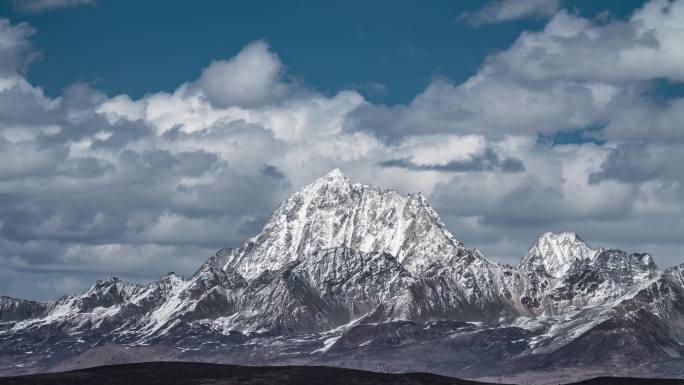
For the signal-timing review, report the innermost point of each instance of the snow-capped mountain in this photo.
(351, 275)
(554, 254)
(333, 212)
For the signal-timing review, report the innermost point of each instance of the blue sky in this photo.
(389, 50)
(139, 137)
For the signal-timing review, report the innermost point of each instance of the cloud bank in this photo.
(92, 184)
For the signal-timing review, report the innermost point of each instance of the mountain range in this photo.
(349, 275)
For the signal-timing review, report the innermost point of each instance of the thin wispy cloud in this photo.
(497, 11)
(38, 6)
(488, 161)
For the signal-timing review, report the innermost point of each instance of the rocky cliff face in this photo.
(13, 309)
(348, 274)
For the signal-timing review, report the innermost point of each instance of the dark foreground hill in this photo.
(169, 373)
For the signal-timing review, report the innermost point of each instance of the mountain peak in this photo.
(329, 185)
(172, 277)
(109, 281)
(561, 237)
(333, 178)
(335, 174)
(555, 252)
(333, 212)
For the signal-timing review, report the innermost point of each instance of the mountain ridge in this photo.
(351, 275)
